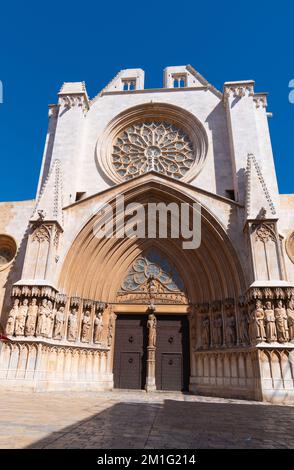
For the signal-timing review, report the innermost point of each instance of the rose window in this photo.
(8, 250)
(157, 146)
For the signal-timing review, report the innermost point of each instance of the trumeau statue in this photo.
(205, 333)
(218, 330)
(98, 328)
(30, 327)
(151, 325)
(21, 318)
(59, 322)
(281, 322)
(42, 318)
(257, 324)
(231, 330)
(86, 325)
(72, 325)
(290, 314)
(10, 326)
(270, 323)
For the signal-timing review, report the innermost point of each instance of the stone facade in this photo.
(62, 287)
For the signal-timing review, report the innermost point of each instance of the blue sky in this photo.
(44, 44)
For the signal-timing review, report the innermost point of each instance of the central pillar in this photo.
(151, 350)
(150, 377)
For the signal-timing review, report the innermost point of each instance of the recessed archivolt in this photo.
(160, 113)
(94, 268)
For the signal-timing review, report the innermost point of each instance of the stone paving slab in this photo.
(128, 419)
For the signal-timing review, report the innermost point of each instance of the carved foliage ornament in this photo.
(157, 146)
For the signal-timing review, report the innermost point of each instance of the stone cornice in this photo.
(238, 89)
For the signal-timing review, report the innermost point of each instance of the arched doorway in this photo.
(160, 362)
(96, 268)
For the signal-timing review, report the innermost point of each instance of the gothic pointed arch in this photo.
(213, 271)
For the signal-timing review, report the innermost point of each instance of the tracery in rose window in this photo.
(157, 146)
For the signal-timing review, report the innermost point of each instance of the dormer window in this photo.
(179, 81)
(129, 84)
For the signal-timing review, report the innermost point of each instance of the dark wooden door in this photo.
(130, 351)
(172, 353)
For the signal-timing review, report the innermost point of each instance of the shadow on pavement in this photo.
(178, 424)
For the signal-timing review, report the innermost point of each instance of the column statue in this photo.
(42, 312)
(257, 323)
(270, 323)
(244, 327)
(30, 327)
(281, 322)
(98, 328)
(231, 330)
(205, 333)
(218, 330)
(72, 325)
(10, 326)
(290, 314)
(50, 320)
(86, 325)
(59, 322)
(21, 318)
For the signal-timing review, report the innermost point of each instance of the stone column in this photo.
(151, 350)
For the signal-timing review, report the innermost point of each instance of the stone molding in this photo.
(253, 165)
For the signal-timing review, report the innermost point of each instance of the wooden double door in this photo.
(171, 358)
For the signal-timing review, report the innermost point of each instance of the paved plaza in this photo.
(123, 419)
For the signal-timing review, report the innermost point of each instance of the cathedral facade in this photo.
(88, 312)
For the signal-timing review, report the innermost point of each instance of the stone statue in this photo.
(231, 330)
(10, 326)
(59, 322)
(111, 323)
(270, 323)
(21, 318)
(49, 320)
(281, 322)
(244, 327)
(30, 327)
(98, 328)
(205, 333)
(151, 325)
(72, 325)
(218, 330)
(86, 325)
(257, 332)
(152, 286)
(290, 314)
(42, 318)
